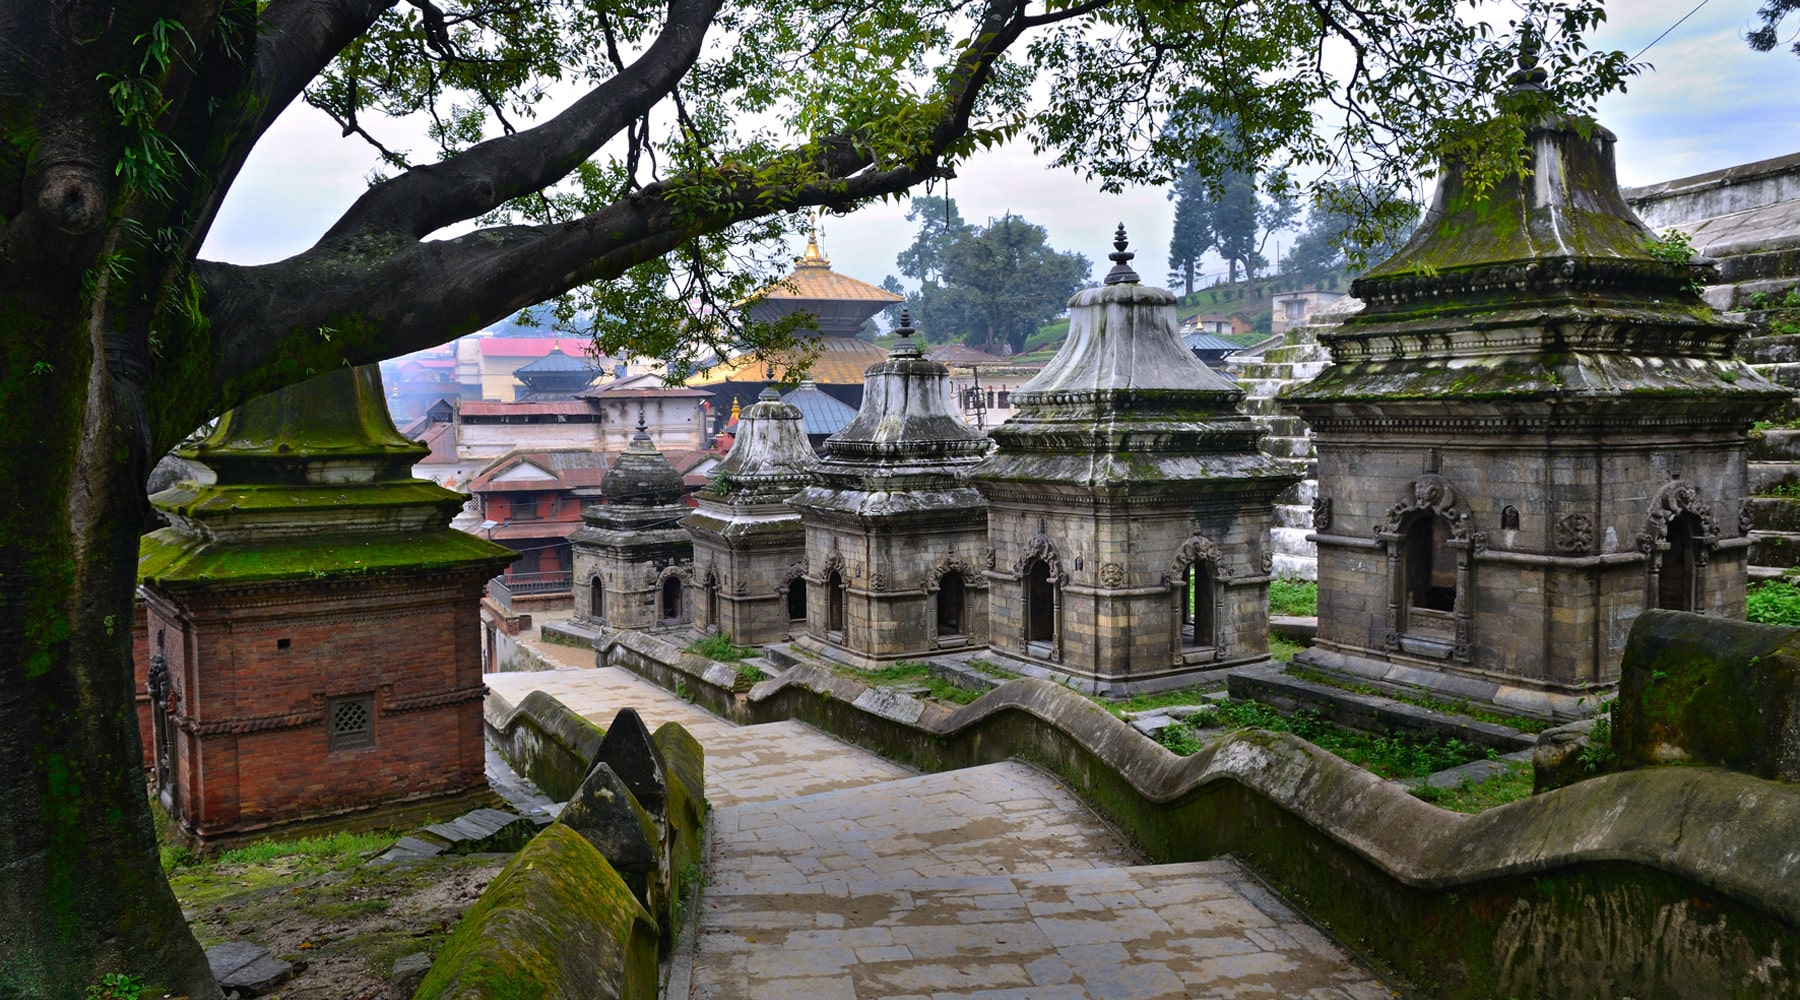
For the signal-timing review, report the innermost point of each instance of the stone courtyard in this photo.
(834, 873)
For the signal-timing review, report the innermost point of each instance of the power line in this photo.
(1670, 28)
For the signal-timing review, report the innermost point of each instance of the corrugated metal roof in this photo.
(557, 361)
(1207, 342)
(822, 413)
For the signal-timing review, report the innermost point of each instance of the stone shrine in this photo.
(1533, 431)
(894, 533)
(279, 697)
(1129, 505)
(749, 545)
(633, 562)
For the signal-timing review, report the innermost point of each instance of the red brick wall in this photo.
(252, 717)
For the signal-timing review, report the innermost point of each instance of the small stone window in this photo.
(351, 722)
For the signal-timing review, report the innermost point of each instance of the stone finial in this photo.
(643, 429)
(1121, 272)
(905, 346)
(1530, 77)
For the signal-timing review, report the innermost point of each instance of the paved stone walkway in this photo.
(837, 875)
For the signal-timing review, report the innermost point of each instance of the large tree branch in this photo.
(486, 176)
(373, 295)
(294, 41)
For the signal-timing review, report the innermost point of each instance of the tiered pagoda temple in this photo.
(894, 532)
(1128, 505)
(1534, 431)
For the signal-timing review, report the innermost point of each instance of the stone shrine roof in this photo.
(641, 476)
(769, 459)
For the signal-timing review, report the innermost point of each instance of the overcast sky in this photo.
(1710, 102)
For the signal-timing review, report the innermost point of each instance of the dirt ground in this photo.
(344, 920)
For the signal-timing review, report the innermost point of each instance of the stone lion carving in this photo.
(1672, 501)
(1321, 513)
(1039, 546)
(1112, 574)
(1432, 494)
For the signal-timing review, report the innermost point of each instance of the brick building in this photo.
(279, 696)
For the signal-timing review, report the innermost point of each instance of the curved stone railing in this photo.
(544, 740)
(1667, 882)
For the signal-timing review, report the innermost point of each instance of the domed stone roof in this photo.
(641, 476)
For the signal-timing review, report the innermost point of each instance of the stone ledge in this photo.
(1478, 906)
(1368, 712)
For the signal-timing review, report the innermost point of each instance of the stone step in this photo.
(1772, 477)
(1774, 446)
(1293, 516)
(1292, 542)
(482, 831)
(1775, 514)
(1774, 548)
(1778, 349)
(1785, 373)
(1286, 447)
(1288, 426)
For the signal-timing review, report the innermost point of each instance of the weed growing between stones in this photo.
(721, 648)
(114, 986)
(1519, 722)
(1282, 649)
(1470, 796)
(910, 673)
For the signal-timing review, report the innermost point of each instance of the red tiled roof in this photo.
(532, 347)
(573, 469)
(441, 439)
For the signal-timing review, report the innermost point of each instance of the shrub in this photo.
(1774, 602)
(1299, 598)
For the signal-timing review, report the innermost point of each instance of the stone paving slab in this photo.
(1205, 929)
(743, 763)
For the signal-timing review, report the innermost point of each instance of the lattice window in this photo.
(351, 721)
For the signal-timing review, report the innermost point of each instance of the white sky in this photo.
(1710, 102)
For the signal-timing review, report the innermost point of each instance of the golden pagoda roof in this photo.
(814, 280)
(842, 361)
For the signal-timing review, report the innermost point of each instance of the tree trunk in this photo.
(84, 893)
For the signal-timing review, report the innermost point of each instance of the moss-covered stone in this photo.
(685, 772)
(558, 924)
(604, 811)
(544, 740)
(1708, 690)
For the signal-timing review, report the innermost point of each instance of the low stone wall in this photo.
(558, 923)
(1621, 885)
(543, 740)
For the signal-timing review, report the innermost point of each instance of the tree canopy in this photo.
(633, 161)
(1348, 228)
(991, 285)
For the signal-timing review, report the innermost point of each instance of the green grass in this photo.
(750, 673)
(1160, 699)
(1472, 796)
(1774, 602)
(1390, 756)
(1299, 598)
(1282, 650)
(721, 648)
(908, 673)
